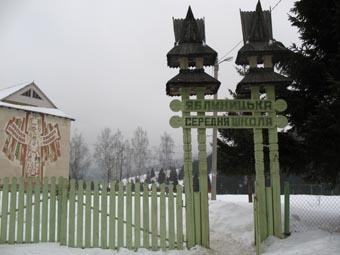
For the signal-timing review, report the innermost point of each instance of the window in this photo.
(35, 95)
(27, 93)
(31, 93)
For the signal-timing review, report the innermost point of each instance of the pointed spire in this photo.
(258, 30)
(190, 32)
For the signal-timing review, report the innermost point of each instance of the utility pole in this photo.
(214, 136)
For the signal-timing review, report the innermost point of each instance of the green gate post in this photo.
(259, 169)
(287, 209)
(203, 176)
(274, 165)
(188, 185)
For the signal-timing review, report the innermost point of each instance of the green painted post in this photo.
(137, 216)
(95, 219)
(198, 218)
(259, 169)
(28, 229)
(72, 214)
(80, 213)
(88, 222)
(52, 210)
(162, 219)
(12, 212)
(112, 217)
(203, 177)
(128, 232)
(103, 242)
(146, 221)
(179, 217)
(36, 229)
(4, 209)
(60, 197)
(21, 204)
(256, 225)
(154, 218)
(269, 203)
(44, 212)
(64, 216)
(287, 209)
(188, 181)
(120, 216)
(171, 221)
(274, 169)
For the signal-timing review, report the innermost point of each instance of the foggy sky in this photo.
(103, 62)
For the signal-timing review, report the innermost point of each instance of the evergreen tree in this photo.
(314, 97)
(181, 173)
(161, 176)
(152, 174)
(173, 178)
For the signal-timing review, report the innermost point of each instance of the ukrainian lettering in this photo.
(237, 105)
(228, 122)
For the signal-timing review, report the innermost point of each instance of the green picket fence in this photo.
(130, 216)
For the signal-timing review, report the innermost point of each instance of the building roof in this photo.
(190, 42)
(261, 76)
(258, 37)
(192, 78)
(29, 97)
(48, 111)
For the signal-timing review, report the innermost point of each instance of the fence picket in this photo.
(103, 242)
(154, 217)
(36, 228)
(12, 212)
(88, 224)
(137, 215)
(112, 217)
(21, 201)
(171, 221)
(162, 219)
(52, 210)
(179, 217)
(128, 216)
(80, 211)
(64, 201)
(120, 216)
(60, 183)
(71, 218)
(4, 209)
(95, 214)
(44, 213)
(146, 224)
(28, 217)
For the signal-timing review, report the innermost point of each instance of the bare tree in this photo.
(128, 160)
(80, 158)
(166, 151)
(104, 153)
(140, 150)
(121, 152)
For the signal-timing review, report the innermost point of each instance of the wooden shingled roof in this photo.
(261, 76)
(190, 42)
(192, 78)
(258, 37)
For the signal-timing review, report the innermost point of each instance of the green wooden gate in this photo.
(109, 216)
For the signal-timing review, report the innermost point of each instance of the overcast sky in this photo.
(104, 61)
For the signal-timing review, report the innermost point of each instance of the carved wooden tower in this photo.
(190, 53)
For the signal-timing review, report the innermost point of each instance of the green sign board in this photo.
(228, 105)
(228, 122)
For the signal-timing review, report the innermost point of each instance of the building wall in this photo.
(33, 144)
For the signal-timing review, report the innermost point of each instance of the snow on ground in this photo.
(231, 225)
